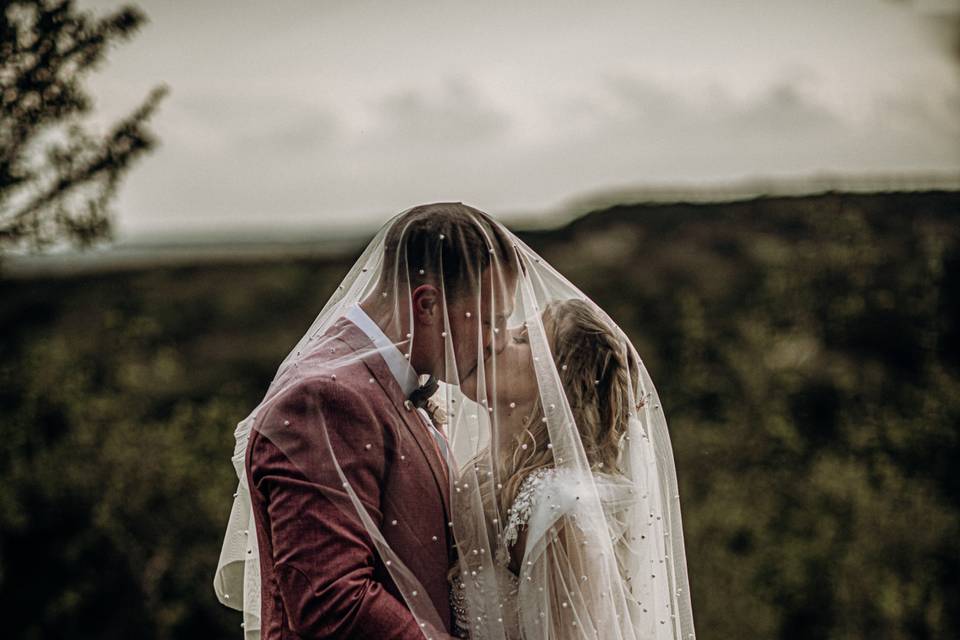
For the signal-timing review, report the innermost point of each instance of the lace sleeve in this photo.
(519, 513)
(574, 582)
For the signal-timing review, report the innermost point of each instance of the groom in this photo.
(348, 409)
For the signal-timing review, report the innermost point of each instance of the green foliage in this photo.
(56, 178)
(806, 351)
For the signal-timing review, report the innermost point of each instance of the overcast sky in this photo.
(287, 114)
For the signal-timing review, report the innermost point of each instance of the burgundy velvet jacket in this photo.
(321, 576)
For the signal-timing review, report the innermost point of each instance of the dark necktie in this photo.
(421, 394)
(418, 398)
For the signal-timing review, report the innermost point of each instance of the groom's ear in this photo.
(426, 305)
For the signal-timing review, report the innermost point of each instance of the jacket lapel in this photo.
(360, 343)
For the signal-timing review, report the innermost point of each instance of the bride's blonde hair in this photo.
(598, 370)
(599, 373)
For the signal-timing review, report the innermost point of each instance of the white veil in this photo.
(563, 513)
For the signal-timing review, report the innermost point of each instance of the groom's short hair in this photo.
(448, 239)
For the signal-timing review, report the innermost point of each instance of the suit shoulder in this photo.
(319, 394)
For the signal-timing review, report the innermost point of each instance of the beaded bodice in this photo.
(506, 581)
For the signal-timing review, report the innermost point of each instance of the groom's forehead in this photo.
(496, 286)
(501, 286)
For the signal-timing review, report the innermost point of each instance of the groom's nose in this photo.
(493, 347)
(500, 340)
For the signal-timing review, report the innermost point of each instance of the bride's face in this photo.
(510, 380)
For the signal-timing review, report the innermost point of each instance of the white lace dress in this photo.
(549, 503)
(507, 582)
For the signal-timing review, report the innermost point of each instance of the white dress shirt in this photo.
(399, 366)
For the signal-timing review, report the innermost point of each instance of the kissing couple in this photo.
(461, 445)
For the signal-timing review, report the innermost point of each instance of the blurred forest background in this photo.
(807, 350)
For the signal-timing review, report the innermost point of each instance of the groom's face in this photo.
(478, 321)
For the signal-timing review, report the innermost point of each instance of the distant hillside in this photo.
(778, 214)
(652, 206)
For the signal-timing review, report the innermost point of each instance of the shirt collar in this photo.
(399, 366)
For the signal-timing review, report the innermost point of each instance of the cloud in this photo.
(640, 105)
(297, 134)
(234, 123)
(781, 110)
(932, 113)
(456, 114)
(795, 112)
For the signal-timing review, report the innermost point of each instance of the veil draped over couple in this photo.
(461, 445)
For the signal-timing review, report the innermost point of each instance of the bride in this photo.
(553, 574)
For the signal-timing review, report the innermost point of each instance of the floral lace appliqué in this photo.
(520, 510)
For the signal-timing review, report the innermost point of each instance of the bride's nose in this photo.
(510, 335)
